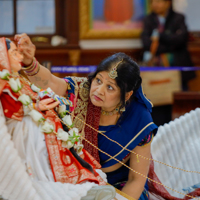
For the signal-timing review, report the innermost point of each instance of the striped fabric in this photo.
(178, 144)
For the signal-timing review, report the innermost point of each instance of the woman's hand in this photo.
(47, 104)
(26, 47)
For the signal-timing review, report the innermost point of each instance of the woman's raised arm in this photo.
(43, 78)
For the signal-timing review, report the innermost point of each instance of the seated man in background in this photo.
(165, 38)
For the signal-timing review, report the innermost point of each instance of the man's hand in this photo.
(26, 47)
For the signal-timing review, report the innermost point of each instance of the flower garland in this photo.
(69, 138)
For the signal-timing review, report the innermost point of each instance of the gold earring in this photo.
(123, 109)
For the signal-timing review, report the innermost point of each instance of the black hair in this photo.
(128, 74)
(8, 41)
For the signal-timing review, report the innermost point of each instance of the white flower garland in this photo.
(69, 139)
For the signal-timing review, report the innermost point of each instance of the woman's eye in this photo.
(98, 80)
(110, 87)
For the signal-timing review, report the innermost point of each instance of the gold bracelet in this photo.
(36, 70)
(29, 66)
(32, 69)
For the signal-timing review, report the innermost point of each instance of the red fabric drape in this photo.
(93, 117)
(160, 192)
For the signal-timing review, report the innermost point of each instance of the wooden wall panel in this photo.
(60, 56)
(94, 57)
(194, 49)
(185, 102)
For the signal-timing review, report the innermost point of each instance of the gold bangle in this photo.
(33, 69)
(29, 66)
(36, 70)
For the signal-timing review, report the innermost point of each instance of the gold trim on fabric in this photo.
(76, 80)
(130, 141)
(84, 92)
(81, 105)
(78, 123)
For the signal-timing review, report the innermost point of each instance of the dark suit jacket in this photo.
(173, 39)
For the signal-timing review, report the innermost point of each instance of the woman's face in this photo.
(104, 92)
(15, 57)
(160, 7)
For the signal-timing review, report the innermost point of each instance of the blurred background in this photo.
(73, 36)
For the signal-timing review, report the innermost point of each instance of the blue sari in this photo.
(133, 125)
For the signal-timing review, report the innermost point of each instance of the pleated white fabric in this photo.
(178, 144)
(31, 147)
(15, 184)
(56, 190)
(14, 181)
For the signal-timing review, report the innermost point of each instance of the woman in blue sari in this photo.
(118, 108)
(111, 101)
(129, 122)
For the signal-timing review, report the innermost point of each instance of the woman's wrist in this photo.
(33, 68)
(27, 63)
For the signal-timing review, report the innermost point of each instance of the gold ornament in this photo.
(113, 72)
(110, 113)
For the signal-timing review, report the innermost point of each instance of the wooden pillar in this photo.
(72, 26)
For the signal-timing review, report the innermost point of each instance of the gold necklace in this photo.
(110, 113)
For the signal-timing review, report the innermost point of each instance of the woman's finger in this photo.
(46, 101)
(53, 105)
(27, 55)
(23, 39)
(17, 37)
(46, 104)
(26, 47)
(43, 104)
(23, 47)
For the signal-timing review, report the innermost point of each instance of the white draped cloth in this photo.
(30, 144)
(178, 144)
(22, 150)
